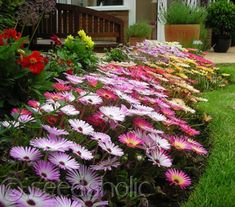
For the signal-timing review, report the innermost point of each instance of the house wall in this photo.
(146, 11)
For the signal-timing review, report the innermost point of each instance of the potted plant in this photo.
(138, 32)
(221, 18)
(182, 22)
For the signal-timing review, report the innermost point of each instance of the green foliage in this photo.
(7, 13)
(77, 53)
(139, 30)
(221, 17)
(116, 54)
(182, 13)
(17, 83)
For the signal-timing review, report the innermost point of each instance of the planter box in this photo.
(134, 40)
(183, 33)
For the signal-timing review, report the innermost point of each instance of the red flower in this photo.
(35, 62)
(56, 40)
(11, 33)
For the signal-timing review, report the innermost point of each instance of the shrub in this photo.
(182, 13)
(221, 17)
(139, 30)
(116, 54)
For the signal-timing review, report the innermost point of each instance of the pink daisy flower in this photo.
(25, 119)
(54, 131)
(17, 111)
(113, 113)
(188, 130)
(25, 153)
(106, 165)
(130, 139)
(46, 170)
(111, 148)
(61, 87)
(68, 96)
(106, 94)
(145, 125)
(66, 202)
(70, 110)
(53, 96)
(199, 150)
(84, 179)
(180, 143)
(51, 144)
(127, 98)
(193, 142)
(81, 152)
(81, 126)
(159, 158)
(74, 79)
(179, 178)
(36, 197)
(63, 161)
(33, 103)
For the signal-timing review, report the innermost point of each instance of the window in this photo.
(105, 2)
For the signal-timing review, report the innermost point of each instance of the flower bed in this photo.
(119, 136)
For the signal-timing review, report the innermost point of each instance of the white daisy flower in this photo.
(100, 137)
(126, 97)
(162, 143)
(81, 126)
(90, 98)
(81, 152)
(9, 124)
(68, 96)
(157, 117)
(113, 113)
(111, 148)
(70, 110)
(159, 158)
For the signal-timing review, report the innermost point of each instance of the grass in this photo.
(216, 188)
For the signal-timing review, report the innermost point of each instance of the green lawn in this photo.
(216, 188)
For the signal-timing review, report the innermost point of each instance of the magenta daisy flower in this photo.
(34, 198)
(177, 177)
(46, 170)
(106, 165)
(180, 143)
(81, 126)
(107, 94)
(51, 144)
(130, 139)
(5, 197)
(100, 137)
(111, 148)
(159, 158)
(61, 87)
(63, 161)
(188, 130)
(82, 152)
(25, 153)
(84, 179)
(199, 150)
(145, 125)
(91, 199)
(66, 202)
(55, 131)
(113, 113)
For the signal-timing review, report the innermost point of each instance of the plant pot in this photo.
(222, 44)
(183, 33)
(134, 40)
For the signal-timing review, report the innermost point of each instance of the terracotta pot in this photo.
(183, 33)
(134, 40)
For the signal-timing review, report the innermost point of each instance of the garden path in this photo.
(218, 58)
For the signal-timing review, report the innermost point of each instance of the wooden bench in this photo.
(69, 19)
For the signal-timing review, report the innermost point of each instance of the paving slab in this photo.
(219, 58)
